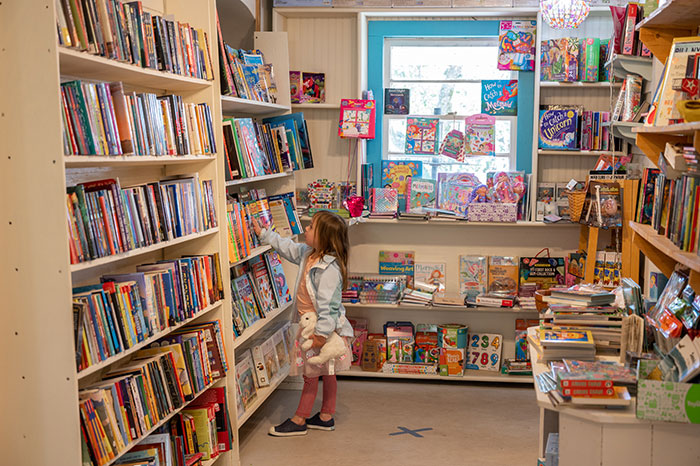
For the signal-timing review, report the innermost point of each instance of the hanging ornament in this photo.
(564, 14)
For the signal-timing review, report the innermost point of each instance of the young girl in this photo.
(323, 275)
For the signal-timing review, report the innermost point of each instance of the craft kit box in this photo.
(452, 361)
(452, 336)
(666, 401)
(493, 212)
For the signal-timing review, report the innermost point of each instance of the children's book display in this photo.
(384, 202)
(296, 129)
(681, 64)
(431, 273)
(420, 194)
(499, 97)
(422, 136)
(516, 45)
(397, 174)
(397, 101)
(397, 263)
(357, 118)
(246, 74)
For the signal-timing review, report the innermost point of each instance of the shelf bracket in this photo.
(653, 144)
(659, 41)
(661, 260)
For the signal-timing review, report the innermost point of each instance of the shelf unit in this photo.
(263, 394)
(582, 153)
(257, 179)
(469, 376)
(420, 307)
(38, 281)
(237, 106)
(579, 84)
(675, 18)
(652, 139)
(258, 326)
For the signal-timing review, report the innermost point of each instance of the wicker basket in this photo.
(576, 200)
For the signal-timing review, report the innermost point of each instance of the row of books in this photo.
(573, 128)
(671, 207)
(276, 212)
(103, 119)
(627, 36)
(574, 59)
(126, 32)
(276, 145)
(105, 219)
(267, 361)
(136, 396)
(258, 286)
(129, 308)
(245, 74)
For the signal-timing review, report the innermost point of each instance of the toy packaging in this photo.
(454, 191)
(399, 342)
(357, 118)
(427, 350)
(313, 87)
(599, 269)
(604, 71)
(452, 361)
(453, 145)
(590, 60)
(295, 86)
(503, 276)
(558, 129)
(521, 326)
(384, 200)
(480, 134)
(484, 352)
(516, 45)
(452, 336)
(397, 101)
(397, 263)
(499, 97)
(473, 276)
(422, 135)
(371, 356)
(492, 212)
(380, 340)
(575, 268)
(545, 272)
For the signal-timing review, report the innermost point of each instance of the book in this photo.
(667, 111)
(421, 136)
(313, 87)
(431, 273)
(516, 45)
(357, 118)
(473, 276)
(420, 193)
(279, 280)
(243, 293)
(499, 97)
(555, 338)
(245, 379)
(384, 200)
(397, 174)
(397, 101)
(295, 86)
(558, 129)
(397, 263)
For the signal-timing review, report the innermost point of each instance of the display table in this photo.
(613, 437)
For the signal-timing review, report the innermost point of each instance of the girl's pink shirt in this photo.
(304, 303)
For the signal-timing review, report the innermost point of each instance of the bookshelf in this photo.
(675, 18)
(469, 376)
(40, 390)
(240, 107)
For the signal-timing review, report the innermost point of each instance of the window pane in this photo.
(445, 62)
(477, 165)
(503, 128)
(463, 98)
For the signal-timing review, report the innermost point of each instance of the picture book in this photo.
(420, 192)
(397, 263)
(676, 64)
(558, 129)
(569, 338)
(432, 273)
(279, 280)
(259, 363)
(453, 145)
(357, 118)
(516, 45)
(499, 97)
(243, 292)
(269, 356)
(473, 276)
(281, 349)
(480, 132)
(396, 174)
(295, 86)
(503, 276)
(384, 200)
(313, 88)
(263, 284)
(397, 101)
(454, 191)
(421, 135)
(258, 162)
(245, 377)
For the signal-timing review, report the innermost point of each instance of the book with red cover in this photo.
(217, 396)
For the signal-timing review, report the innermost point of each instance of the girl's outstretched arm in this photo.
(286, 247)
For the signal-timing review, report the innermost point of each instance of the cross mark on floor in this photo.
(413, 432)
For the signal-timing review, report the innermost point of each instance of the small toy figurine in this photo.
(480, 194)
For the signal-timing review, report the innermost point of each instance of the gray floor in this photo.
(473, 424)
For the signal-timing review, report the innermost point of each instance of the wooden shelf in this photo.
(257, 179)
(263, 394)
(139, 251)
(162, 422)
(237, 106)
(674, 130)
(420, 307)
(325, 106)
(77, 161)
(254, 253)
(469, 376)
(83, 65)
(662, 251)
(674, 14)
(254, 329)
(124, 354)
(578, 84)
(652, 139)
(582, 153)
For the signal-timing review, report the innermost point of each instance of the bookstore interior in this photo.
(504, 194)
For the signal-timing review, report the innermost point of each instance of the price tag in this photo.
(484, 351)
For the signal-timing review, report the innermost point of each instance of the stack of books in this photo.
(127, 32)
(580, 296)
(421, 293)
(554, 344)
(604, 322)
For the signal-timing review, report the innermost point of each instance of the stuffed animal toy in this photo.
(333, 348)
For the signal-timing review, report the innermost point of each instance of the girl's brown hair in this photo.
(332, 239)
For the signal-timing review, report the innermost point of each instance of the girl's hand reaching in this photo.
(256, 225)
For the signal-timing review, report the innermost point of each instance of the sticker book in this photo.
(480, 132)
(357, 118)
(473, 276)
(397, 174)
(420, 193)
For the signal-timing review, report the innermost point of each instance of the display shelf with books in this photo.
(75, 161)
(678, 129)
(469, 376)
(596, 153)
(246, 107)
(254, 253)
(675, 18)
(579, 84)
(259, 326)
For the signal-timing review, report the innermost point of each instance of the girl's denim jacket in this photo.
(324, 283)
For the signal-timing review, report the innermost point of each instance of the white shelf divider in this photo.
(469, 376)
(235, 105)
(256, 179)
(253, 330)
(263, 394)
(419, 307)
(131, 160)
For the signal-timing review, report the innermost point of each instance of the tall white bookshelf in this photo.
(40, 386)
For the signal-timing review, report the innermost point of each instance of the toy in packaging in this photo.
(590, 60)
(371, 359)
(399, 341)
(604, 71)
(484, 351)
(473, 276)
(453, 145)
(452, 361)
(602, 207)
(503, 276)
(516, 47)
(295, 86)
(454, 191)
(558, 129)
(313, 87)
(599, 268)
(427, 350)
(480, 134)
(545, 272)
(380, 341)
(452, 336)
(357, 118)
(421, 135)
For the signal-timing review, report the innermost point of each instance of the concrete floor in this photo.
(473, 424)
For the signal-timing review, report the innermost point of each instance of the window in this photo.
(444, 77)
